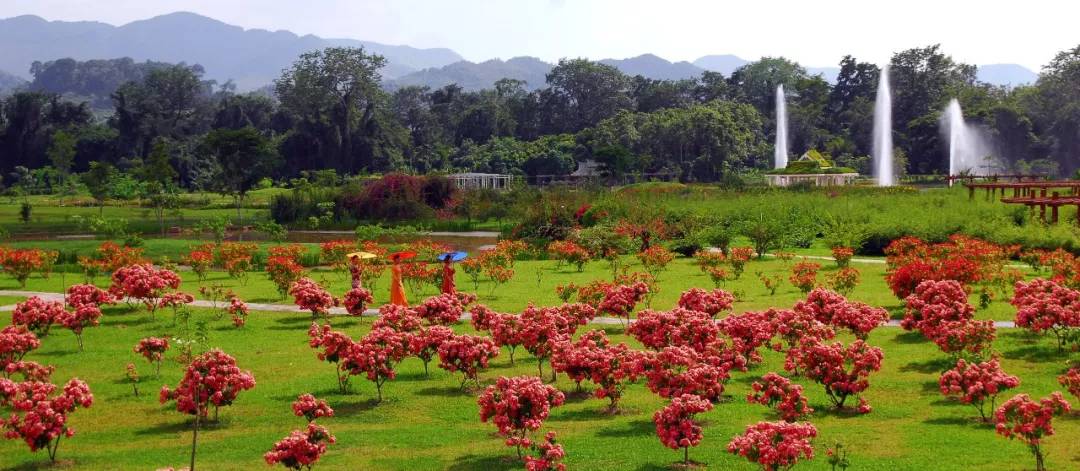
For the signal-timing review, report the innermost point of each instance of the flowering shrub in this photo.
(38, 315)
(417, 275)
(804, 276)
(467, 354)
(82, 317)
(200, 260)
(842, 370)
(564, 251)
(975, 383)
(308, 295)
(15, 342)
(211, 379)
(425, 344)
(675, 424)
(1029, 421)
(236, 258)
(175, 300)
(153, 349)
(144, 282)
(706, 259)
(619, 301)
(334, 346)
(718, 276)
(779, 392)
(37, 419)
(655, 259)
(834, 309)
(506, 330)
(20, 263)
(843, 280)
(750, 330)
(738, 258)
(356, 301)
(444, 309)
(238, 311)
(1045, 306)
(301, 449)
(933, 302)
(1071, 381)
(972, 339)
(541, 329)
(675, 328)
(675, 371)
(517, 406)
(710, 302)
(308, 407)
(474, 268)
(283, 272)
(771, 282)
(842, 256)
(795, 326)
(333, 252)
(963, 259)
(482, 318)
(549, 454)
(775, 445)
(399, 318)
(132, 376)
(80, 295)
(375, 355)
(593, 358)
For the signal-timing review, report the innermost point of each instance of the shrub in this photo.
(655, 259)
(153, 349)
(675, 424)
(20, 263)
(238, 311)
(593, 358)
(467, 354)
(334, 347)
(843, 280)
(38, 315)
(976, 383)
(779, 392)
(619, 301)
(835, 310)
(842, 256)
(676, 371)
(775, 445)
(211, 379)
(1029, 421)
(143, 282)
(548, 455)
(356, 301)
(308, 407)
(676, 328)
(301, 449)
(425, 344)
(309, 295)
(375, 355)
(80, 295)
(283, 271)
(710, 302)
(842, 370)
(15, 342)
(1071, 381)
(1045, 306)
(518, 405)
(804, 276)
(37, 419)
(82, 317)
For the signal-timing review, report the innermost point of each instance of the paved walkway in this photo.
(337, 311)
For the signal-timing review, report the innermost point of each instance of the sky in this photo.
(814, 33)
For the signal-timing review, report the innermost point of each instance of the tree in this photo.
(61, 152)
(340, 84)
(584, 92)
(99, 181)
(518, 405)
(245, 157)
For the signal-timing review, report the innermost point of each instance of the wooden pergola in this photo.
(1022, 189)
(1054, 201)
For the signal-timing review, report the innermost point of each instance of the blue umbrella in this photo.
(452, 256)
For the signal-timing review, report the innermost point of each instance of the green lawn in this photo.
(428, 423)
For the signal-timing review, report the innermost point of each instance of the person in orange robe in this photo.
(397, 290)
(448, 286)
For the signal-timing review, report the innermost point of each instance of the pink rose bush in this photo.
(518, 405)
(425, 344)
(710, 302)
(15, 342)
(593, 358)
(38, 315)
(310, 296)
(977, 384)
(619, 301)
(86, 294)
(211, 379)
(1030, 422)
(38, 419)
(1071, 381)
(675, 424)
(308, 407)
(779, 392)
(238, 311)
(844, 371)
(153, 349)
(144, 283)
(676, 328)
(467, 354)
(549, 453)
(357, 300)
(301, 449)
(834, 309)
(1045, 306)
(775, 445)
(375, 355)
(86, 315)
(331, 346)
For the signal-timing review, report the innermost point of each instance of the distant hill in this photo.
(1006, 74)
(250, 57)
(651, 66)
(725, 64)
(9, 82)
(477, 76)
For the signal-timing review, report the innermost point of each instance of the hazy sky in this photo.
(815, 33)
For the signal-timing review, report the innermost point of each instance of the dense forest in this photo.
(117, 121)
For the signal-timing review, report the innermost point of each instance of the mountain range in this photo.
(252, 58)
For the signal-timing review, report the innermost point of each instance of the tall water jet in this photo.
(780, 156)
(968, 150)
(883, 148)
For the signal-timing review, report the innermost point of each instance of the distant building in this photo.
(475, 181)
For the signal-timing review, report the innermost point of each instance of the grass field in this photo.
(428, 423)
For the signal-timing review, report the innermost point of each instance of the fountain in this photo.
(780, 157)
(883, 148)
(968, 150)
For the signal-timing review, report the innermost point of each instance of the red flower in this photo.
(210, 379)
(778, 391)
(775, 445)
(308, 407)
(518, 405)
(675, 424)
(301, 449)
(975, 383)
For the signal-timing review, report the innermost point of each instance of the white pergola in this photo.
(474, 181)
(817, 179)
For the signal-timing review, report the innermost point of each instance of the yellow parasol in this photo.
(361, 255)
